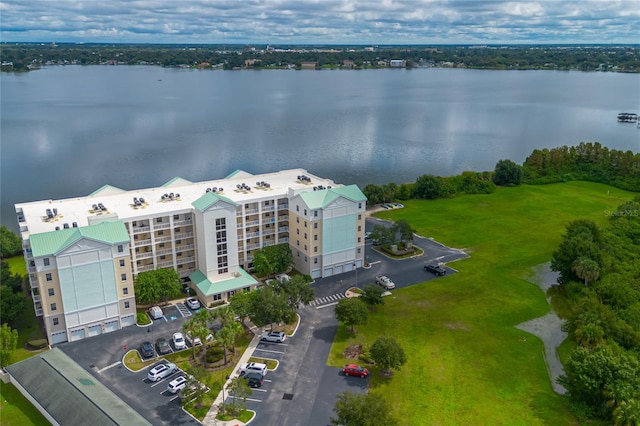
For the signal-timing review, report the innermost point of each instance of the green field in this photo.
(15, 410)
(467, 364)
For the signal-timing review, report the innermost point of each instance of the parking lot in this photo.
(301, 390)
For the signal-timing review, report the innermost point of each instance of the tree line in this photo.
(22, 56)
(586, 161)
(599, 273)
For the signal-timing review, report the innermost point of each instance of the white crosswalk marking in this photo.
(326, 299)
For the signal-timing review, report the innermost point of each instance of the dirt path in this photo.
(548, 327)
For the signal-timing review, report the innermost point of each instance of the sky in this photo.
(361, 22)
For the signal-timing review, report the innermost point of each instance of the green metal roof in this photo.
(177, 181)
(324, 197)
(209, 199)
(50, 243)
(233, 173)
(209, 288)
(107, 190)
(69, 394)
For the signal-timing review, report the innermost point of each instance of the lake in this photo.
(66, 131)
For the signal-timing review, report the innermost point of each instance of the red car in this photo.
(355, 370)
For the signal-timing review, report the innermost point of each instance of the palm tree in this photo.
(586, 269)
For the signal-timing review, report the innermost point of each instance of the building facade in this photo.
(84, 253)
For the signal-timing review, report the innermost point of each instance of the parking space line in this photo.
(260, 390)
(267, 350)
(174, 398)
(253, 400)
(109, 366)
(327, 305)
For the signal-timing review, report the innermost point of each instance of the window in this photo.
(359, 217)
(305, 212)
(51, 292)
(163, 257)
(161, 232)
(315, 213)
(298, 243)
(46, 261)
(120, 248)
(221, 223)
(297, 208)
(217, 297)
(266, 203)
(315, 261)
(161, 244)
(359, 250)
(137, 249)
(178, 254)
(177, 229)
(56, 321)
(305, 259)
(305, 235)
(223, 270)
(178, 242)
(49, 277)
(305, 223)
(298, 231)
(123, 277)
(359, 228)
(134, 223)
(359, 205)
(126, 305)
(125, 291)
(135, 237)
(305, 247)
(315, 226)
(297, 220)
(222, 261)
(298, 253)
(315, 249)
(159, 220)
(221, 236)
(176, 217)
(359, 239)
(315, 237)
(54, 307)
(222, 249)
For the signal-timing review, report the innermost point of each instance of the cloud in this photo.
(321, 21)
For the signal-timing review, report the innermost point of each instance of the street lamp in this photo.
(355, 265)
(224, 385)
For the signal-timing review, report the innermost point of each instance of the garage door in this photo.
(77, 335)
(128, 320)
(338, 270)
(348, 267)
(316, 273)
(59, 337)
(328, 272)
(95, 330)
(111, 326)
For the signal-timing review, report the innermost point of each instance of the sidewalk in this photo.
(210, 418)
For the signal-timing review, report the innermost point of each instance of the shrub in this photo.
(142, 318)
(37, 344)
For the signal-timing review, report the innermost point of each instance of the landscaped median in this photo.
(466, 361)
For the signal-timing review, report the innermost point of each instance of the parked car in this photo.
(193, 341)
(282, 278)
(162, 346)
(385, 282)
(161, 371)
(253, 367)
(146, 349)
(273, 336)
(367, 235)
(254, 380)
(178, 341)
(155, 312)
(355, 370)
(436, 269)
(177, 384)
(193, 303)
(398, 205)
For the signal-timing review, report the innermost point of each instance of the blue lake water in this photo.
(66, 131)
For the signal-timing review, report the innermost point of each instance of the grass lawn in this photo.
(15, 410)
(467, 363)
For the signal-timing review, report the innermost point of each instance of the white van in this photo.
(155, 312)
(161, 371)
(253, 367)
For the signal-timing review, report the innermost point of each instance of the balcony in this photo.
(247, 224)
(248, 212)
(270, 220)
(184, 235)
(141, 229)
(253, 246)
(138, 243)
(270, 231)
(145, 268)
(283, 218)
(283, 206)
(183, 260)
(182, 222)
(268, 209)
(185, 247)
(283, 240)
(144, 255)
(161, 225)
(163, 239)
(283, 229)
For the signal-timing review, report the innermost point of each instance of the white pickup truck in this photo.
(385, 282)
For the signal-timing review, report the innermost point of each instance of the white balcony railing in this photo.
(184, 235)
(138, 243)
(141, 229)
(182, 222)
(144, 255)
(283, 206)
(161, 225)
(145, 268)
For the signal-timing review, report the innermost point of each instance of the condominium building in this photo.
(84, 253)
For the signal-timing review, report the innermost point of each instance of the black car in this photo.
(146, 349)
(435, 269)
(163, 346)
(254, 379)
